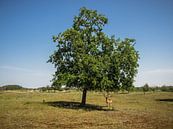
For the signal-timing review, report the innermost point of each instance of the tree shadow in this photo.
(77, 105)
(165, 100)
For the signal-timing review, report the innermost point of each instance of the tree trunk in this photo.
(84, 97)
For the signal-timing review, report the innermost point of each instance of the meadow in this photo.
(61, 110)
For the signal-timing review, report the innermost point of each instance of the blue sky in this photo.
(27, 26)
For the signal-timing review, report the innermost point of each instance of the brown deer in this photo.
(108, 100)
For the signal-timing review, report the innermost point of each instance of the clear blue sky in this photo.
(27, 26)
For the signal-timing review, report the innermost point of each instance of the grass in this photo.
(26, 110)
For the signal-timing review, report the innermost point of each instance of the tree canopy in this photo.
(88, 59)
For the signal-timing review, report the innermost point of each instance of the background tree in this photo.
(11, 87)
(88, 59)
(145, 88)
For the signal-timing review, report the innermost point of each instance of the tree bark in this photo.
(84, 97)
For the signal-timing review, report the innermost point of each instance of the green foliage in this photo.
(88, 59)
(167, 88)
(43, 89)
(49, 88)
(145, 88)
(154, 88)
(11, 87)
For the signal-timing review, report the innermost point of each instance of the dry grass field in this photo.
(61, 110)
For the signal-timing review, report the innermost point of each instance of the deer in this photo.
(108, 100)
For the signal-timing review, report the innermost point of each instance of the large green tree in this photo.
(88, 59)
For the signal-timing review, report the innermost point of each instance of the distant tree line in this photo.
(52, 88)
(11, 87)
(46, 88)
(147, 88)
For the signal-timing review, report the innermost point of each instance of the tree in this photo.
(145, 88)
(88, 59)
(11, 87)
